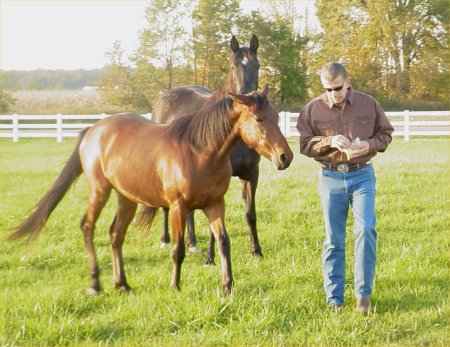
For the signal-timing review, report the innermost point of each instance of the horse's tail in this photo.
(36, 220)
(145, 218)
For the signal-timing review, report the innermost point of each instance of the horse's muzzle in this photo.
(283, 161)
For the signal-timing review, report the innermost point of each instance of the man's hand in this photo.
(340, 142)
(359, 150)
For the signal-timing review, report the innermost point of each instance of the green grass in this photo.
(277, 301)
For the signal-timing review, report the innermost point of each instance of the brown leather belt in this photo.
(344, 167)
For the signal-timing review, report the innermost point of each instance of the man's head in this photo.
(335, 81)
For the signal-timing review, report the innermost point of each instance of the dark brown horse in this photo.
(242, 78)
(182, 166)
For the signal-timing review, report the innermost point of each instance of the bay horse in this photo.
(242, 78)
(182, 166)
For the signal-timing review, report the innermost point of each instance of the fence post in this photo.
(283, 122)
(58, 127)
(15, 129)
(406, 127)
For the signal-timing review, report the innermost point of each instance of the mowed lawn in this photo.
(277, 301)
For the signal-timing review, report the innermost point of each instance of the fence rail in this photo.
(406, 124)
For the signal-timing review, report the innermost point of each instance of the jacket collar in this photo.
(349, 97)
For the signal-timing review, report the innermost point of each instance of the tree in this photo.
(165, 42)
(213, 24)
(117, 85)
(281, 54)
(387, 45)
(6, 100)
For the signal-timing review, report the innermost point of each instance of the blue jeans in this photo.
(338, 192)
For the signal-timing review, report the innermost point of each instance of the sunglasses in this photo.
(337, 89)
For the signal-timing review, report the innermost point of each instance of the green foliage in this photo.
(164, 43)
(6, 102)
(277, 301)
(397, 51)
(211, 35)
(6, 99)
(117, 85)
(397, 48)
(283, 64)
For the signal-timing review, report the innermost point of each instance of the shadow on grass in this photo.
(434, 298)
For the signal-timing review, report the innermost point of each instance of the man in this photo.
(342, 130)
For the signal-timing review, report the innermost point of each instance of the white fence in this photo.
(406, 124)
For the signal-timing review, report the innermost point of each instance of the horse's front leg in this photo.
(178, 215)
(248, 195)
(215, 215)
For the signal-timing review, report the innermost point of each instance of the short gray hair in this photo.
(330, 71)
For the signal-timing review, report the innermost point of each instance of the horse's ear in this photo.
(234, 44)
(265, 89)
(254, 43)
(242, 99)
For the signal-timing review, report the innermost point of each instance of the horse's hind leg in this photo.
(97, 200)
(192, 240)
(125, 212)
(209, 256)
(165, 238)
(248, 195)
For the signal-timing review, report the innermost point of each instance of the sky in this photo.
(71, 34)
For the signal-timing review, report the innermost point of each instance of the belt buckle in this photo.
(343, 168)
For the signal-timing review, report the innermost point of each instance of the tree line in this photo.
(395, 50)
(50, 79)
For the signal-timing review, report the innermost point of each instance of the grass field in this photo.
(277, 301)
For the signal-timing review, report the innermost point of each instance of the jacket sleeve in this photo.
(383, 130)
(311, 145)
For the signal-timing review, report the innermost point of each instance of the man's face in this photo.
(336, 89)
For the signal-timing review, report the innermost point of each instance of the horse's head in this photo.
(258, 126)
(244, 67)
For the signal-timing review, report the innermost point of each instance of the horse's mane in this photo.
(208, 127)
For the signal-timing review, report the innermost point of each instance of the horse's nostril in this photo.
(283, 158)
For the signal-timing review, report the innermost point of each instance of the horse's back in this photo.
(179, 102)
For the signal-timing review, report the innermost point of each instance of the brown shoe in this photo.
(335, 308)
(363, 305)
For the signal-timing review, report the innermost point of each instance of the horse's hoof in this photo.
(210, 261)
(194, 250)
(92, 291)
(226, 290)
(175, 287)
(164, 245)
(124, 288)
(257, 254)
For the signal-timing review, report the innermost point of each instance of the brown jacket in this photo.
(362, 116)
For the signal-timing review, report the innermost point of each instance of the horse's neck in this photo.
(224, 150)
(230, 141)
(224, 91)
(218, 94)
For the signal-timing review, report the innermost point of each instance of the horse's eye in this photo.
(258, 119)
